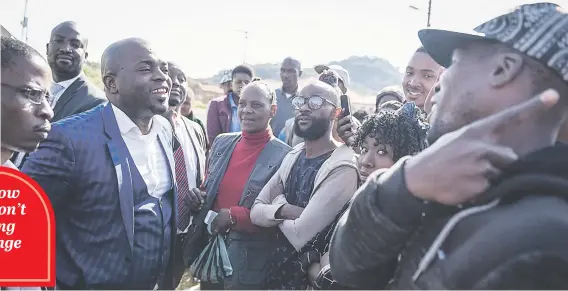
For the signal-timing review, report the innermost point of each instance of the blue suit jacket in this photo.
(84, 168)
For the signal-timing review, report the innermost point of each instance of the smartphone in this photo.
(345, 105)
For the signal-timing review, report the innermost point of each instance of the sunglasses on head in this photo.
(314, 102)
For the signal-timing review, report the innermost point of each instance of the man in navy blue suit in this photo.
(109, 173)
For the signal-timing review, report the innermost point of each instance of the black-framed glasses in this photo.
(36, 96)
(315, 102)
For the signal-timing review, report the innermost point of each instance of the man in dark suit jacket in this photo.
(109, 174)
(71, 92)
(66, 55)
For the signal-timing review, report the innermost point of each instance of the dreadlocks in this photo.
(404, 130)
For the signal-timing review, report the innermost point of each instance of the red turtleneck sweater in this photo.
(232, 185)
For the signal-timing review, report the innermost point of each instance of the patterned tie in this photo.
(55, 89)
(182, 185)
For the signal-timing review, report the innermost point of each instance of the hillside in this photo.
(368, 76)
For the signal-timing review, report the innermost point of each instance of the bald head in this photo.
(290, 72)
(136, 78)
(66, 51)
(321, 89)
(292, 62)
(70, 26)
(117, 51)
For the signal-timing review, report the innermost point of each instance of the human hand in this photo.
(347, 126)
(460, 165)
(195, 199)
(222, 222)
(290, 211)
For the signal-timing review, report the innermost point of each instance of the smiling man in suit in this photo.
(71, 92)
(109, 174)
(66, 54)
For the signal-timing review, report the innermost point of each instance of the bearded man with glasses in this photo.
(25, 112)
(314, 182)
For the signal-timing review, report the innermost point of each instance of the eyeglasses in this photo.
(315, 102)
(36, 96)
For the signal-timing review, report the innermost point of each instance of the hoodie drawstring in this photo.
(435, 247)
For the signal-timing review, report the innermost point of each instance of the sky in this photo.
(205, 36)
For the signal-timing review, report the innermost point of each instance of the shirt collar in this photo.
(232, 101)
(68, 83)
(125, 124)
(9, 164)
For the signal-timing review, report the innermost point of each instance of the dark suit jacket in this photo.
(79, 97)
(84, 168)
(218, 117)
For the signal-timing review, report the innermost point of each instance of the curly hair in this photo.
(404, 130)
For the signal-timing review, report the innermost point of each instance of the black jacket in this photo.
(517, 242)
(79, 97)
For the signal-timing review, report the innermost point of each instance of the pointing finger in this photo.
(503, 121)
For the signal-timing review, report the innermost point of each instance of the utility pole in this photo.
(245, 45)
(429, 11)
(24, 23)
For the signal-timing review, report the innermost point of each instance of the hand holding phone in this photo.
(345, 105)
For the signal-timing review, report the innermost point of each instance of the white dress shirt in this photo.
(146, 152)
(65, 84)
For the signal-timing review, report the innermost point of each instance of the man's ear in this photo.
(46, 48)
(86, 56)
(273, 109)
(300, 74)
(110, 84)
(507, 66)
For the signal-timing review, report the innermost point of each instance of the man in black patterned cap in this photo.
(486, 205)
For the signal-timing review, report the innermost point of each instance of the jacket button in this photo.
(128, 259)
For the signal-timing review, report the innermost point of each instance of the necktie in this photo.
(182, 185)
(55, 89)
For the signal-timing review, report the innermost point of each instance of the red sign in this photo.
(27, 232)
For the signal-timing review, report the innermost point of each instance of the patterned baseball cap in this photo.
(226, 77)
(538, 30)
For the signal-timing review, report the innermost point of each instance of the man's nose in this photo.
(44, 111)
(65, 47)
(413, 81)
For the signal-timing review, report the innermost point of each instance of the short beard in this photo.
(316, 131)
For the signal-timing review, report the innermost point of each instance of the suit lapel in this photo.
(166, 141)
(226, 108)
(67, 96)
(199, 153)
(119, 156)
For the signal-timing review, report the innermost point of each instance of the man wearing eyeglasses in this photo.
(318, 177)
(24, 109)
(26, 78)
